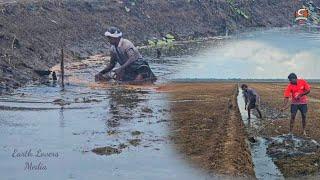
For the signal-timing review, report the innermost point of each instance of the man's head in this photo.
(293, 78)
(244, 87)
(114, 35)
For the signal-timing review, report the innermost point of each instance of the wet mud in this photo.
(295, 155)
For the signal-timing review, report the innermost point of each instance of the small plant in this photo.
(165, 41)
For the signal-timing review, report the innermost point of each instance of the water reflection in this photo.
(124, 103)
(268, 54)
(61, 117)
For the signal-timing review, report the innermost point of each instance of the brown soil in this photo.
(208, 129)
(272, 98)
(32, 32)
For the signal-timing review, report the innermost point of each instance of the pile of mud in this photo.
(295, 156)
(33, 32)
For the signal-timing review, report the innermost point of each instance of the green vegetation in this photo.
(165, 41)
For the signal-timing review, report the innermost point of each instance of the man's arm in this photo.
(111, 65)
(303, 94)
(287, 94)
(307, 89)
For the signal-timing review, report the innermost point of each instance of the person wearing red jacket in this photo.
(297, 90)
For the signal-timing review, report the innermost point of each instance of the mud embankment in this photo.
(208, 129)
(32, 32)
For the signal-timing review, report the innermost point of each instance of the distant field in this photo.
(207, 127)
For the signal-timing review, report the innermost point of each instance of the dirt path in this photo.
(208, 128)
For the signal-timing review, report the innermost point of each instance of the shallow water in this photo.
(85, 116)
(88, 115)
(263, 165)
(73, 130)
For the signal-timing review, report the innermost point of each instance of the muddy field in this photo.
(297, 156)
(207, 127)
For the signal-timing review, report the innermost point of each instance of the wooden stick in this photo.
(62, 69)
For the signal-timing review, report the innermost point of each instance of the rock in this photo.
(136, 133)
(106, 150)
(135, 142)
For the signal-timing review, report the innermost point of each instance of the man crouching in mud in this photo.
(250, 98)
(297, 91)
(132, 67)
